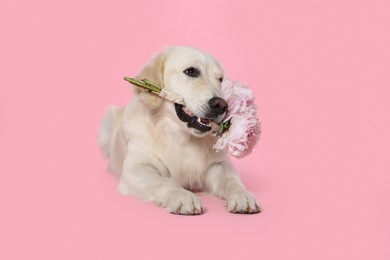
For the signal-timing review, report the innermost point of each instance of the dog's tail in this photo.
(108, 129)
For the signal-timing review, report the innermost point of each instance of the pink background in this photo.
(321, 75)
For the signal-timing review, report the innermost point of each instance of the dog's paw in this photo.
(185, 203)
(242, 203)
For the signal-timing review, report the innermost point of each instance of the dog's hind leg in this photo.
(109, 139)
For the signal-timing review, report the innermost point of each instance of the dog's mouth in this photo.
(201, 124)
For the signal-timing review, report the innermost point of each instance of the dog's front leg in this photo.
(222, 181)
(145, 182)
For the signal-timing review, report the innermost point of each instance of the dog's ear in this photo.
(153, 71)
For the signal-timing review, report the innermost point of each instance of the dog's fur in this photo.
(156, 156)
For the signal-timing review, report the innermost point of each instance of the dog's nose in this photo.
(218, 106)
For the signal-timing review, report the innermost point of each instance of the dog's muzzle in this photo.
(200, 124)
(218, 107)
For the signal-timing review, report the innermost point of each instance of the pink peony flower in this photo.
(243, 127)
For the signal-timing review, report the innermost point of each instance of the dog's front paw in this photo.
(185, 203)
(242, 202)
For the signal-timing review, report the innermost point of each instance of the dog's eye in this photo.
(192, 72)
(220, 79)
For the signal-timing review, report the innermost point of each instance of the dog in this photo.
(161, 151)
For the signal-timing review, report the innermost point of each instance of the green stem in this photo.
(144, 84)
(223, 127)
(151, 84)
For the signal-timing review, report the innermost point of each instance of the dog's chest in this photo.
(186, 162)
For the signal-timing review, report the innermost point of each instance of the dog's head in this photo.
(194, 75)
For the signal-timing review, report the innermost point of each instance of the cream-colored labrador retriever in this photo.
(162, 151)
